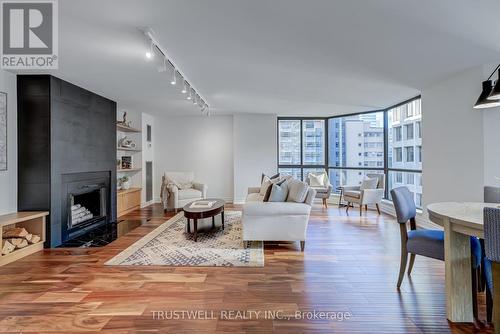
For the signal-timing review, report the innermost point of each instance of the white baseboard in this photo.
(145, 204)
(239, 200)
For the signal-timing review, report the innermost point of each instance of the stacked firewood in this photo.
(17, 237)
(80, 214)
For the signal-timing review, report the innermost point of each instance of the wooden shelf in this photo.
(124, 128)
(17, 217)
(128, 149)
(129, 170)
(127, 191)
(33, 222)
(20, 253)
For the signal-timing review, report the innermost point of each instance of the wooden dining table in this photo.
(460, 220)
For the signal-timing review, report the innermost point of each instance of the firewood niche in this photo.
(23, 233)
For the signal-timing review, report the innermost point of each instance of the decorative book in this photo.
(202, 204)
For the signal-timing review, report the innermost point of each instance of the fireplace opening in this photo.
(87, 206)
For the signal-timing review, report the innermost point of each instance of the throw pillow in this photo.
(279, 192)
(297, 191)
(270, 177)
(270, 187)
(170, 181)
(369, 184)
(266, 183)
(317, 179)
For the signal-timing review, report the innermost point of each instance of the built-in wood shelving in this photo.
(124, 128)
(33, 222)
(128, 170)
(128, 149)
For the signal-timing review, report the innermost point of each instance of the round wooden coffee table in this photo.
(200, 213)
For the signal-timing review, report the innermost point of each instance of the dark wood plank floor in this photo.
(350, 265)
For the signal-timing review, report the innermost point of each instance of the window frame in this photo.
(326, 166)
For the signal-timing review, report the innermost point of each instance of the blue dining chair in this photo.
(428, 243)
(491, 261)
(491, 195)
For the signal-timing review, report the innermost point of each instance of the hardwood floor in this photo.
(350, 264)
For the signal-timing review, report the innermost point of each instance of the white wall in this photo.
(255, 150)
(491, 127)
(452, 147)
(200, 144)
(8, 179)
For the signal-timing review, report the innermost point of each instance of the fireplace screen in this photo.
(87, 206)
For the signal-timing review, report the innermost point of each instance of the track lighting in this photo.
(177, 74)
(174, 79)
(149, 54)
(489, 97)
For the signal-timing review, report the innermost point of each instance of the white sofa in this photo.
(174, 197)
(275, 221)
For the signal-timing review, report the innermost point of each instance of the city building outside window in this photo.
(418, 126)
(410, 155)
(349, 147)
(398, 154)
(409, 131)
(397, 134)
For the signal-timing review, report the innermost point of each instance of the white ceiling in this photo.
(289, 57)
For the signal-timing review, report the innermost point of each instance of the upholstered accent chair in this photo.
(429, 243)
(364, 196)
(491, 263)
(179, 188)
(321, 183)
(491, 194)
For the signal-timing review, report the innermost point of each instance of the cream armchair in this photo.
(364, 196)
(323, 187)
(179, 188)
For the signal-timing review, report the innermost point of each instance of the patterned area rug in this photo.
(170, 245)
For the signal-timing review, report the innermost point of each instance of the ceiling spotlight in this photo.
(189, 97)
(163, 68)
(184, 88)
(149, 54)
(194, 100)
(174, 78)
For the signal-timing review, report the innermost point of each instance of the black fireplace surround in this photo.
(66, 149)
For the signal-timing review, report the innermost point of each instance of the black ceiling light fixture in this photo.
(495, 92)
(488, 97)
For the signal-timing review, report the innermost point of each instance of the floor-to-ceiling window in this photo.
(350, 147)
(404, 163)
(301, 146)
(355, 147)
